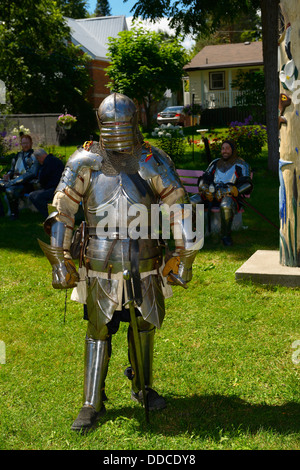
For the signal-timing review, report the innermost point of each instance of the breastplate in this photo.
(227, 176)
(115, 192)
(120, 196)
(19, 167)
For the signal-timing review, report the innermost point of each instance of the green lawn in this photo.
(223, 357)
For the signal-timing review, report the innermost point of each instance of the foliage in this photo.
(9, 137)
(143, 66)
(248, 138)
(73, 8)
(66, 120)
(246, 27)
(193, 109)
(253, 97)
(192, 16)
(42, 70)
(102, 8)
(171, 140)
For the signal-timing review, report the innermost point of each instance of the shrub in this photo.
(171, 140)
(193, 109)
(248, 138)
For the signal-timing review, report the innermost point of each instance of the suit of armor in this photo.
(102, 184)
(222, 185)
(24, 169)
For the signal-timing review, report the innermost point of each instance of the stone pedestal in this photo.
(263, 267)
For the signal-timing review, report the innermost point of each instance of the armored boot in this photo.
(227, 214)
(13, 204)
(155, 401)
(96, 366)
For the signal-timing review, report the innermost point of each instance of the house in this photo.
(211, 71)
(92, 34)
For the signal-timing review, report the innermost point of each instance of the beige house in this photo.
(211, 72)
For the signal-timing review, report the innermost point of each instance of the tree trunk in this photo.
(269, 18)
(289, 122)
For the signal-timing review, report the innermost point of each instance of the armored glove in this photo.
(204, 189)
(226, 190)
(64, 274)
(170, 271)
(233, 190)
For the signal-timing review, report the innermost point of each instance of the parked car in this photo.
(171, 115)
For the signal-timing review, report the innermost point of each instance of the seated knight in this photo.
(225, 182)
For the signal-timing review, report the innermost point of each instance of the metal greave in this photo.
(147, 346)
(227, 211)
(95, 371)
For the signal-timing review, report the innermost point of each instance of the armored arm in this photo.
(206, 182)
(59, 226)
(244, 183)
(182, 218)
(60, 223)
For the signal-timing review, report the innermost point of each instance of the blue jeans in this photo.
(41, 198)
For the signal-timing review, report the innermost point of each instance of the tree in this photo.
(102, 8)
(73, 8)
(252, 86)
(41, 69)
(143, 66)
(245, 28)
(204, 16)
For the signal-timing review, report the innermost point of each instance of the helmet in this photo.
(118, 123)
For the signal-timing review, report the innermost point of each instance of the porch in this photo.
(221, 99)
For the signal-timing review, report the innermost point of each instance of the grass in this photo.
(222, 359)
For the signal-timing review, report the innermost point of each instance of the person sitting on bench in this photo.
(222, 184)
(18, 180)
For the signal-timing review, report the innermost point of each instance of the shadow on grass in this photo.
(213, 416)
(22, 234)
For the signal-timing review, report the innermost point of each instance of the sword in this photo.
(136, 339)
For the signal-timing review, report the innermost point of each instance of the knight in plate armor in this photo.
(223, 184)
(120, 171)
(19, 179)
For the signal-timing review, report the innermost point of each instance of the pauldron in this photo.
(79, 160)
(154, 162)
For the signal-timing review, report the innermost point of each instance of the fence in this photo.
(42, 126)
(224, 116)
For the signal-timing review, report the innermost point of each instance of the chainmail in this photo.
(224, 165)
(115, 162)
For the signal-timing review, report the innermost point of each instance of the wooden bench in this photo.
(189, 178)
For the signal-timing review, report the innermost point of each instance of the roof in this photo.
(227, 55)
(92, 33)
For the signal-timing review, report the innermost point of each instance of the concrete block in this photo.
(263, 267)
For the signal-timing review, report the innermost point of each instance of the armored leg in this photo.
(95, 371)
(227, 210)
(13, 194)
(146, 335)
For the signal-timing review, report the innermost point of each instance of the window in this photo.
(217, 80)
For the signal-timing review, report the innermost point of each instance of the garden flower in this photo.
(66, 120)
